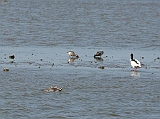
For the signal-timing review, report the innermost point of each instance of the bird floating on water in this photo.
(99, 54)
(135, 63)
(72, 54)
(53, 89)
(5, 69)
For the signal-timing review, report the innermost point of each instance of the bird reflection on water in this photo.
(135, 74)
(71, 60)
(98, 58)
(11, 57)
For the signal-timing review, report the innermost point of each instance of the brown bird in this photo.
(52, 89)
(99, 54)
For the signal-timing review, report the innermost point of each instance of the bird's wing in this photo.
(98, 53)
(136, 61)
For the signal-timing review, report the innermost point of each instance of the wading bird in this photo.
(135, 63)
(72, 54)
(99, 54)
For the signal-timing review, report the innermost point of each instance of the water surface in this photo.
(39, 33)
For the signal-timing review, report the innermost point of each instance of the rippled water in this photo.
(39, 33)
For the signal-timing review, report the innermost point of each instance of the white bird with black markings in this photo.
(135, 63)
(72, 54)
(99, 54)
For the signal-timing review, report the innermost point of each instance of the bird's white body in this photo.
(72, 54)
(135, 63)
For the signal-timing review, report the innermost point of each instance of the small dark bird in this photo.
(99, 54)
(11, 56)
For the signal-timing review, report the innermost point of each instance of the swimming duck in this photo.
(52, 89)
(135, 63)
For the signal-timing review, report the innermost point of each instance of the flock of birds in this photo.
(134, 62)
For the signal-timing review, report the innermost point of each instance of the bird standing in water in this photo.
(135, 63)
(12, 58)
(99, 54)
(72, 54)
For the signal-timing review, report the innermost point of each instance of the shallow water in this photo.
(39, 33)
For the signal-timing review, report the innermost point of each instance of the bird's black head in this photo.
(77, 56)
(11, 56)
(131, 56)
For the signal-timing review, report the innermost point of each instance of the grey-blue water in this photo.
(40, 32)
